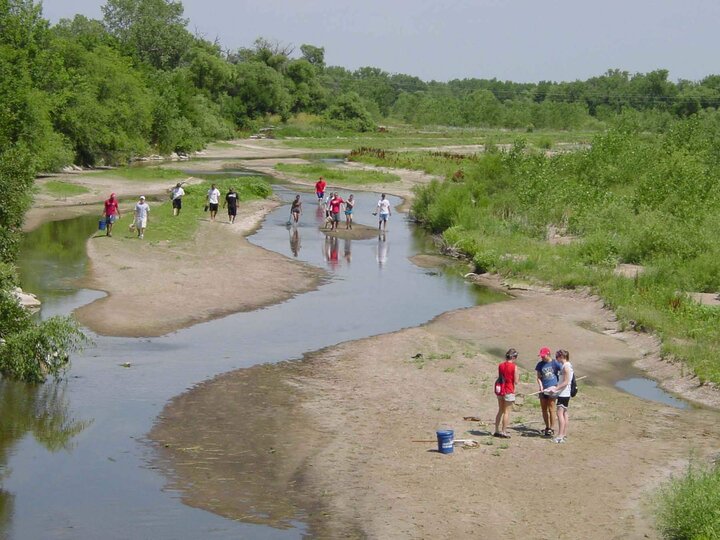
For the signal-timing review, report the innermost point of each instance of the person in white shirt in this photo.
(141, 216)
(176, 195)
(383, 212)
(562, 391)
(213, 199)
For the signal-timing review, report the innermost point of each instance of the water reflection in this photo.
(381, 251)
(38, 410)
(294, 240)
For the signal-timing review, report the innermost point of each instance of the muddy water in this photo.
(73, 461)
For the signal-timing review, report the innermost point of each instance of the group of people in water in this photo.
(554, 379)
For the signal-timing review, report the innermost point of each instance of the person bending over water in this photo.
(509, 376)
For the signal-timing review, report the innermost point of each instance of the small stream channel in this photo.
(73, 461)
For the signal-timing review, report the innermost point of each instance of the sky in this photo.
(516, 40)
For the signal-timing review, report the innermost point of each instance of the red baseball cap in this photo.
(545, 351)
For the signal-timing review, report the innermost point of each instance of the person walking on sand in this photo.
(320, 189)
(231, 201)
(176, 196)
(296, 209)
(141, 216)
(547, 371)
(111, 213)
(383, 212)
(562, 391)
(213, 200)
(335, 203)
(349, 206)
(508, 377)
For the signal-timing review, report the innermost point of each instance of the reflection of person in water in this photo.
(347, 248)
(382, 250)
(294, 241)
(334, 255)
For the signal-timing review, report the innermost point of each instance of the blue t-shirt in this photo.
(549, 372)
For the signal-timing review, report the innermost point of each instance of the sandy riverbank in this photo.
(154, 289)
(328, 440)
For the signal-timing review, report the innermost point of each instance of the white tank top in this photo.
(565, 392)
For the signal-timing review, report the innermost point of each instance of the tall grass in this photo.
(688, 508)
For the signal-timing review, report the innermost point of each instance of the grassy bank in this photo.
(687, 507)
(333, 175)
(58, 188)
(140, 173)
(650, 201)
(163, 226)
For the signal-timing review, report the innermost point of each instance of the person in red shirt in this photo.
(320, 189)
(335, 204)
(508, 377)
(111, 213)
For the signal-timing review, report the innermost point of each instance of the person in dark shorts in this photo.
(296, 209)
(213, 200)
(231, 201)
(546, 374)
(176, 195)
(509, 376)
(562, 391)
(335, 204)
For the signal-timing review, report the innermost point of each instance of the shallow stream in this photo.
(73, 461)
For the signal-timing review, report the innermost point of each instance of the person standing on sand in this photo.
(320, 189)
(111, 213)
(383, 212)
(213, 199)
(231, 200)
(335, 203)
(141, 216)
(562, 391)
(176, 196)
(547, 371)
(509, 376)
(296, 210)
(349, 206)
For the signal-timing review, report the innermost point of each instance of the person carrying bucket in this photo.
(111, 213)
(508, 377)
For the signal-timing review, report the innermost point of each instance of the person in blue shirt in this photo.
(547, 371)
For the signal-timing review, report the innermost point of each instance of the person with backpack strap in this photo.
(508, 377)
(563, 391)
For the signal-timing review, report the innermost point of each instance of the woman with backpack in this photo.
(508, 377)
(562, 391)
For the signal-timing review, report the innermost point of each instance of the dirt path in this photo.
(329, 440)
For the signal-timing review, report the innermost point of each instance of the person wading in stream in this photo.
(335, 203)
(383, 212)
(508, 377)
(320, 189)
(547, 371)
(111, 213)
(562, 391)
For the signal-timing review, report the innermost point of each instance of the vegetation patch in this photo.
(141, 173)
(333, 175)
(687, 507)
(163, 226)
(58, 188)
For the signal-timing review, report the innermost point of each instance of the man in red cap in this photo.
(111, 213)
(547, 371)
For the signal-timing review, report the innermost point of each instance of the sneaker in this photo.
(142, 236)
(559, 440)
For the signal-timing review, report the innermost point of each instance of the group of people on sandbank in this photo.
(554, 378)
(141, 211)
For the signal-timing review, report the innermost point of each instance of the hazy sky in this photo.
(518, 40)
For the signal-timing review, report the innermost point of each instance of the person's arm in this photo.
(517, 375)
(538, 377)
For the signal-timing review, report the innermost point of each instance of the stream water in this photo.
(73, 461)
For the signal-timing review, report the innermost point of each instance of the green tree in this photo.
(348, 112)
